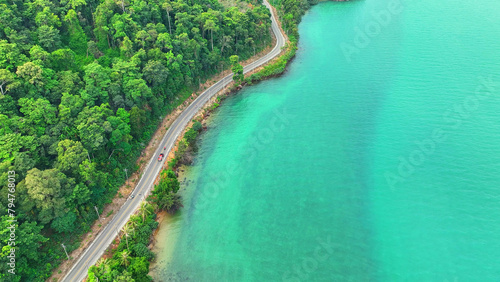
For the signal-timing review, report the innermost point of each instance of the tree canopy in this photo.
(83, 86)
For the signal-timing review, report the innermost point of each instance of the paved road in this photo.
(106, 236)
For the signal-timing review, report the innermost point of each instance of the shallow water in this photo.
(374, 158)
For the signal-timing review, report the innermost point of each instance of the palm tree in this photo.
(127, 229)
(125, 258)
(144, 210)
(133, 222)
(103, 264)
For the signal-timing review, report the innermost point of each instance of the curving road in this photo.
(101, 242)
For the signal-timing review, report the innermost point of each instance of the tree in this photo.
(169, 202)
(70, 154)
(93, 49)
(47, 18)
(250, 42)
(141, 250)
(32, 73)
(27, 245)
(127, 229)
(76, 3)
(7, 81)
(48, 189)
(69, 108)
(92, 126)
(141, 37)
(168, 7)
(137, 90)
(48, 37)
(38, 114)
(225, 43)
(139, 267)
(62, 59)
(125, 276)
(164, 195)
(125, 258)
(64, 223)
(10, 55)
(137, 121)
(38, 55)
(155, 72)
(192, 133)
(237, 69)
(127, 47)
(104, 265)
(210, 25)
(120, 127)
(96, 83)
(69, 82)
(164, 42)
(144, 210)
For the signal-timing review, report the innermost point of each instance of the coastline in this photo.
(127, 188)
(268, 54)
(165, 228)
(275, 68)
(182, 102)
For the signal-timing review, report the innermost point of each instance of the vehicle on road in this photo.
(132, 196)
(102, 240)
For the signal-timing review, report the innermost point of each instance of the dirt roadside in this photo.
(125, 190)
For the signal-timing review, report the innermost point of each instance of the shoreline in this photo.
(128, 187)
(286, 56)
(163, 126)
(167, 230)
(204, 114)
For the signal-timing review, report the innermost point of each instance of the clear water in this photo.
(371, 159)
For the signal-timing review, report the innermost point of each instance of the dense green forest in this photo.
(83, 85)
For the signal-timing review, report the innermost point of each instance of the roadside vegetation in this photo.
(130, 260)
(187, 146)
(134, 266)
(290, 13)
(83, 86)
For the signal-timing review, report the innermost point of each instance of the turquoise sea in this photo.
(376, 157)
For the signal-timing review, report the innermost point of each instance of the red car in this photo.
(160, 157)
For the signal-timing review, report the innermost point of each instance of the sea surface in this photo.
(375, 157)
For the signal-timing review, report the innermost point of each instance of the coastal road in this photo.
(101, 242)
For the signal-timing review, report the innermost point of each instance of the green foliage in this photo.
(64, 223)
(237, 69)
(275, 68)
(192, 133)
(130, 261)
(29, 237)
(214, 106)
(49, 190)
(70, 155)
(83, 84)
(164, 194)
(290, 13)
(141, 250)
(186, 146)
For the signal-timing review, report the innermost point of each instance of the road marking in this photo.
(128, 207)
(183, 117)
